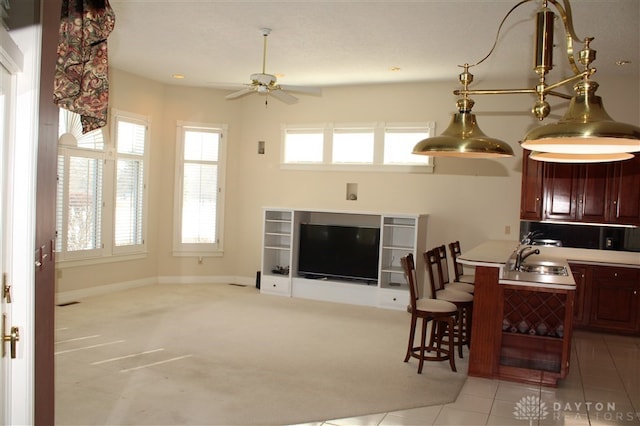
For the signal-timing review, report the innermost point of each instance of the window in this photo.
(90, 223)
(129, 206)
(352, 146)
(199, 188)
(399, 142)
(303, 146)
(368, 147)
(79, 203)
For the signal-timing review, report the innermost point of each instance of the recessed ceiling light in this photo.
(178, 76)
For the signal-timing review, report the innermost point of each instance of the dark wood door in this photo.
(614, 299)
(580, 307)
(44, 389)
(625, 203)
(561, 191)
(531, 196)
(592, 198)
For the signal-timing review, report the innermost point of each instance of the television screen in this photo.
(343, 252)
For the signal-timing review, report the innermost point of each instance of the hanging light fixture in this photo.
(586, 133)
(555, 157)
(463, 137)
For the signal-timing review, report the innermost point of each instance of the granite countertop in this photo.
(497, 253)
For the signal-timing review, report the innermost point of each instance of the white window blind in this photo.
(399, 143)
(79, 198)
(200, 187)
(364, 146)
(353, 146)
(303, 146)
(129, 188)
(199, 204)
(79, 193)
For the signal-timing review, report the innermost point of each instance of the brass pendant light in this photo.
(463, 138)
(586, 133)
(586, 128)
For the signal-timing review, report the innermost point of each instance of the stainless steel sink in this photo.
(544, 269)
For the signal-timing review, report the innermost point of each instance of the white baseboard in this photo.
(211, 279)
(74, 295)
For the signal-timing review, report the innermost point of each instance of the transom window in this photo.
(367, 147)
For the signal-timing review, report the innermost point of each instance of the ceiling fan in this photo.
(266, 84)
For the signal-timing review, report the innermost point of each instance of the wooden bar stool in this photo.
(441, 252)
(463, 300)
(458, 268)
(440, 313)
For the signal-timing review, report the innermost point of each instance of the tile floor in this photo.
(603, 388)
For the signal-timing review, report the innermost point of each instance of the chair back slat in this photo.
(444, 264)
(458, 269)
(408, 265)
(433, 270)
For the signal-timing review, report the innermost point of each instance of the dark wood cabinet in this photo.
(560, 185)
(520, 333)
(531, 200)
(614, 299)
(593, 192)
(624, 207)
(576, 192)
(607, 298)
(585, 193)
(580, 311)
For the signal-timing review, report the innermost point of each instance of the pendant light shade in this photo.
(555, 157)
(586, 128)
(585, 134)
(463, 138)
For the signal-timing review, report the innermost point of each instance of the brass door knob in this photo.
(12, 338)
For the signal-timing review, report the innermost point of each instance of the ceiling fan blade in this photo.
(302, 89)
(239, 93)
(284, 96)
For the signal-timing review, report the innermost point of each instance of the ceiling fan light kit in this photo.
(267, 84)
(586, 133)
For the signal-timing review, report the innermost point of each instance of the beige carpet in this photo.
(226, 355)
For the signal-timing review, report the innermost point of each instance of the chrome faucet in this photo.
(522, 254)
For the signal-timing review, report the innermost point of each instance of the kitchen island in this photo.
(522, 321)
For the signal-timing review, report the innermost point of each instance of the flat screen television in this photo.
(339, 252)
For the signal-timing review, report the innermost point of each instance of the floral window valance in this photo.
(81, 81)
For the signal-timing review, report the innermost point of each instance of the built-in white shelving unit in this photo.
(400, 234)
(277, 249)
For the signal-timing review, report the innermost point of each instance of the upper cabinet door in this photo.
(531, 195)
(586, 193)
(593, 195)
(561, 187)
(624, 206)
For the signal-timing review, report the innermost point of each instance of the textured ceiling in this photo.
(340, 42)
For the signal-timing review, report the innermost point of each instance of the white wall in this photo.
(467, 200)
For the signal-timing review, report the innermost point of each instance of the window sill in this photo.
(197, 254)
(360, 168)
